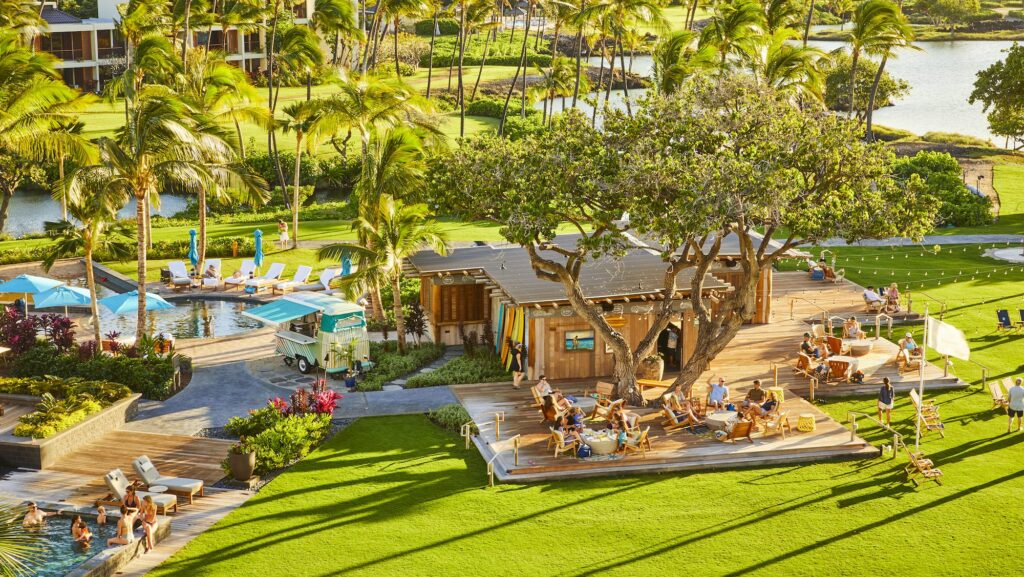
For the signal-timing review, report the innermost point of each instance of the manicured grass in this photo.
(399, 496)
(1009, 181)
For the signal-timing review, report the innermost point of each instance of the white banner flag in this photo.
(946, 339)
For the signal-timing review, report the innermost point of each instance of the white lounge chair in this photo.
(267, 279)
(324, 282)
(248, 266)
(299, 279)
(175, 485)
(118, 485)
(179, 275)
(215, 282)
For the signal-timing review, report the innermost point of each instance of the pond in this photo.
(189, 319)
(29, 210)
(941, 77)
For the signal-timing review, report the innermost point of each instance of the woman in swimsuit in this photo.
(125, 534)
(149, 521)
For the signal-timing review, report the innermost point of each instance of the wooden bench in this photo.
(642, 384)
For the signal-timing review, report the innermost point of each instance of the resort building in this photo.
(91, 49)
(494, 290)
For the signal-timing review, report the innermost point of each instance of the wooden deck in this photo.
(671, 451)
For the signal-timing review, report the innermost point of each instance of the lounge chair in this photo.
(324, 282)
(641, 444)
(602, 412)
(929, 414)
(560, 444)
(247, 268)
(1003, 316)
(835, 345)
(999, 400)
(741, 430)
(673, 421)
(180, 278)
(873, 306)
(175, 485)
(602, 392)
(118, 485)
(267, 279)
(818, 333)
(299, 279)
(919, 466)
(538, 400)
(839, 371)
(905, 364)
(803, 365)
(1021, 322)
(216, 282)
(778, 425)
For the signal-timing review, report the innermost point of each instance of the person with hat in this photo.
(907, 344)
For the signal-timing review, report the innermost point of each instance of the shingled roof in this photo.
(54, 16)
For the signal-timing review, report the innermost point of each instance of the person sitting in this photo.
(907, 344)
(544, 389)
(36, 516)
(892, 298)
(683, 410)
(764, 409)
(125, 532)
(754, 396)
(576, 416)
(211, 272)
(821, 371)
(808, 348)
(852, 329)
(236, 277)
(718, 396)
(101, 515)
(84, 534)
(870, 296)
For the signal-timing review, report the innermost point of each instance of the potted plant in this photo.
(651, 367)
(242, 460)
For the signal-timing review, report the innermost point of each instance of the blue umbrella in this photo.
(129, 302)
(346, 264)
(63, 296)
(193, 251)
(27, 284)
(257, 258)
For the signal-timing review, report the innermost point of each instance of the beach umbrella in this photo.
(27, 284)
(63, 296)
(193, 250)
(346, 264)
(257, 258)
(129, 302)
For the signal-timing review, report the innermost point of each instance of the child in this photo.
(101, 515)
(84, 535)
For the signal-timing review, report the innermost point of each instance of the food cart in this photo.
(316, 330)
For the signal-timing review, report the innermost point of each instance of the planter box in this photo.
(43, 453)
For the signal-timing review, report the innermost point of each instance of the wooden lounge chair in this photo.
(929, 414)
(673, 421)
(1020, 323)
(905, 364)
(641, 444)
(602, 392)
(778, 425)
(836, 346)
(602, 412)
(180, 278)
(298, 279)
(999, 400)
(266, 280)
(818, 334)
(803, 364)
(216, 282)
(538, 400)
(839, 371)
(247, 268)
(1004, 323)
(919, 466)
(741, 430)
(118, 485)
(561, 445)
(185, 487)
(873, 306)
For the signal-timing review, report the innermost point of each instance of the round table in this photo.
(600, 443)
(156, 489)
(805, 422)
(861, 347)
(721, 420)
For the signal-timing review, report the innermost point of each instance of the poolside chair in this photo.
(266, 280)
(601, 412)
(175, 485)
(741, 430)
(778, 425)
(1021, 322)
(905, 364)
(180, 278)
(641, 444)
(998, 399)
(246, 270)
(1003, 316)
(118, 485)
(919, 466)
(929, 414)
(216, 282)
(673, 421)
(299, 279)
(560, 444)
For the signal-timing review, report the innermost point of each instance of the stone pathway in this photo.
(450, 352)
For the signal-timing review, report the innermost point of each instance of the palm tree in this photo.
(875, 25)
(21, 16)
(731, 28)
(520, 68)
(788, 67)
(336, 20)
(311, 126)
(677, 58)
(396, 232)
(481, 16)
(434, 8)
(623, 14)
(94, 207)
(781, 14)
(901, 35)
(18, 547)
(71, 128)
(554, 81)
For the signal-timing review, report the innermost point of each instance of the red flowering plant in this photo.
(280, 404)
(326, 401)
(17, 333)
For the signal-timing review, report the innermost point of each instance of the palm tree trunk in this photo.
(462, 55)
(625, 79)
(691, 15)
(185, 39)
(600, 78)
(611, 72)
(868, 134)
(396, 297)
(483, 62)
(94, 307)
(579, 57)
(455, 55)
(526, 39)
(853, 83)
(149, 225)
(430, 66)
(520, 68)
(271, 101)
(202, 230)
(241, 142)
(5, 207)
(554, 41)
(398, 69)
(807, 23)
(140, 215)
(295, 191)
(63, 194)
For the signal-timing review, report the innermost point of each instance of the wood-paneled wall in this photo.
(764, 292)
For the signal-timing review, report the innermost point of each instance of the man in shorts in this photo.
(1016, 408)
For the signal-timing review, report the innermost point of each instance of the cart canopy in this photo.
(280, 311)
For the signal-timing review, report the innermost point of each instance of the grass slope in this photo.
(398, 496)
(1009, 181)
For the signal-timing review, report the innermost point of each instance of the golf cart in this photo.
(317, 331)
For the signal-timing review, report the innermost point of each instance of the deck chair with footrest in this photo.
(929, 414)
(216, 282)
(1004, 322)
(180, 278)
(905, 364)
(741, 430)
(640, 444)
(919, 466)
(300, 278)
(176, 485)
(778, 425)
(247, 268)
(118, 485)
(999, 400)
(561, 445)
(673, 421)
(266, 280)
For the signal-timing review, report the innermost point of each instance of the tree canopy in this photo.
(1000, 88)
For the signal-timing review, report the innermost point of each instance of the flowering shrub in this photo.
(280, 433)
(59, 330)
(17, 333)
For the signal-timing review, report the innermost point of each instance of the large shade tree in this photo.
(718, 159)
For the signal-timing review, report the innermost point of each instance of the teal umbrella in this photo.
(129, 302)
(257, 258)
(27, 284)
(63, 296)
(193, 250)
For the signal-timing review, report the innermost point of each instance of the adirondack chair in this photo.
(835, 345)
(919, 466)
(538, 401)
(839, 371)
(674, 421)
(642, 444)
(1004, 323)
(602, 412)
(778, 425)
(999, 400)
(561, 445)
(803, 364)
(905, 364)
(741, 430)
(929, 414)
(873, 306)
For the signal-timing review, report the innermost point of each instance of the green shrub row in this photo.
(389, 365)
(499, 53)
(279, 439)
(493, 107)
(445, 27)
(334, 210)
(151, 376)
(104, 391)
(63, 404)
(484, 367)
(450, 417)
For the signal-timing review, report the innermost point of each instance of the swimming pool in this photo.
(60, 554)
(189, 319)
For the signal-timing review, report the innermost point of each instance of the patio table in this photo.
(600, 443)
(861, 347)
(721, 420)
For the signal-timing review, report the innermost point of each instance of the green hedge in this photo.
(389, 365)
(480, 368)
(445, 27)
(492, 108)
(499, 53)
(279, 439)
(450, 417)
(150, 376)
(63, 404)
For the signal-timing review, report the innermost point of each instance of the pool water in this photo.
(187, 320)
(60, 554)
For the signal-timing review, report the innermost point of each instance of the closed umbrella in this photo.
(346, 265)
(257, 258)
(63, 296)
(27, 284)
(193, 250)
(129, 302)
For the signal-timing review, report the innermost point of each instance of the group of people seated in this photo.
(887, 300)
(757, 403)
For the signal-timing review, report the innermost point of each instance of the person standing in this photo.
(282, 233)
(1016, 406)
(518, 365)
(886, 397)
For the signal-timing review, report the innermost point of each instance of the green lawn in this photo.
(398, 496)
(1009, 182)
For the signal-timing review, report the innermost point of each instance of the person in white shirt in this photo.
(1016, 407)
(718, 396)
(871, 296)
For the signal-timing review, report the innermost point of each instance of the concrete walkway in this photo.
(932, 240)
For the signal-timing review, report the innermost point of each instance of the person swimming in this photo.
(36, 516)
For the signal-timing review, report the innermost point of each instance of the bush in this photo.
(63, 404)
(889, 134)
(517, 127)
(278, 434)
(956, 139)
(320, 211)
(150, 376)
(483, 367)
(445, 27)
(499, 53)
(451, 417)
(837, 84)
(943, 179)
(389, 365)
(104, 392)
(493, 107)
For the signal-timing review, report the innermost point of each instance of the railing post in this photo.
(791, 302)
(910, 303)
(853, 430)
(814, 383)
(776, 370)
(878, 326)
(467, 432)
(889, 323)
(984, 378)
(895, 443)
(499, 416)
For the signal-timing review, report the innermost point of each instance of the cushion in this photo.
(145, 469)
(180, 484)
(162, 500)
